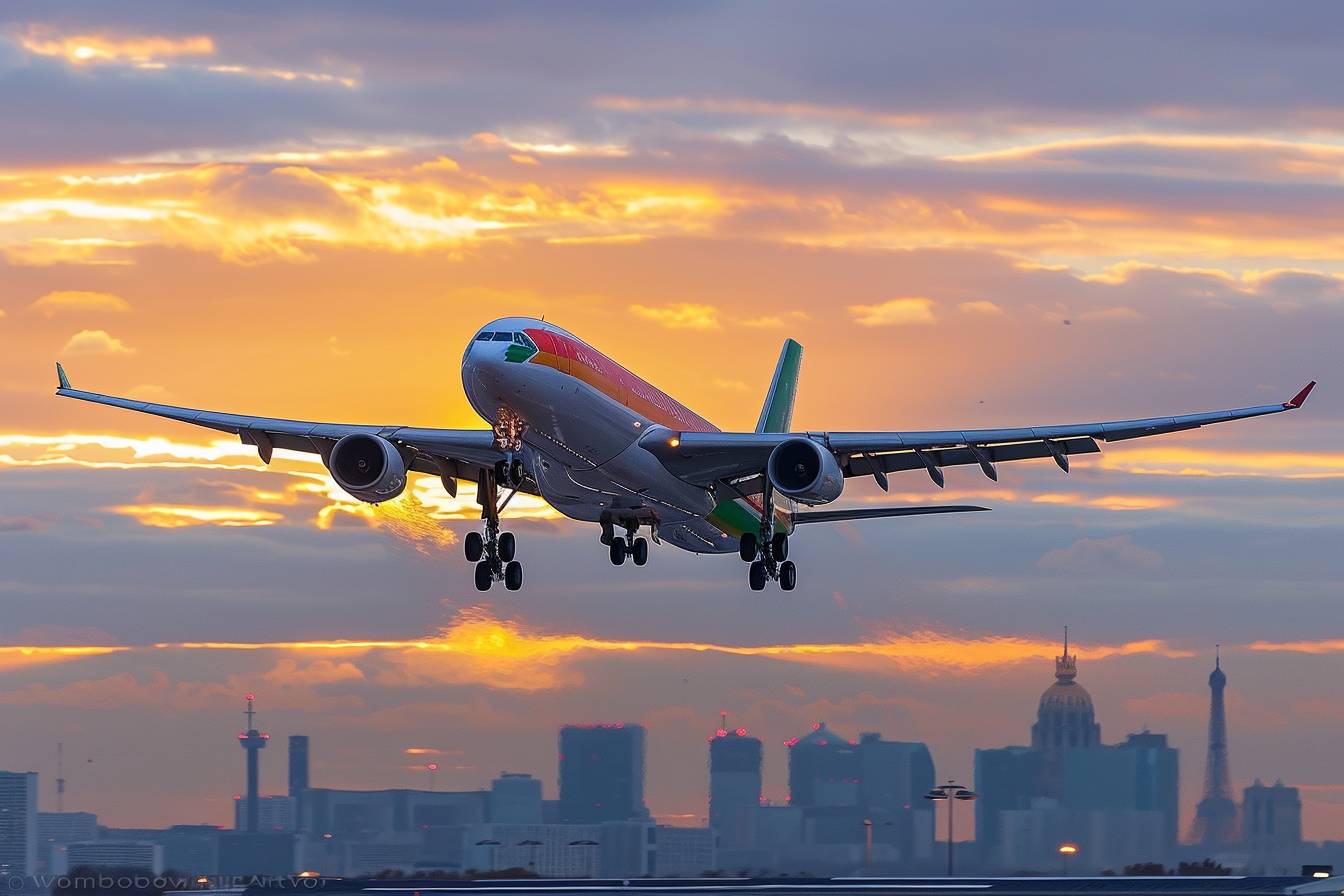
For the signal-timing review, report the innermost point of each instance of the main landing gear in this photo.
(767, 551)
(493, 551)
(631, 544)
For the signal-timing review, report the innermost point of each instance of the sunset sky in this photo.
(970, 215)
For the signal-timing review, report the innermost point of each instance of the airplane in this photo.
(601, 445)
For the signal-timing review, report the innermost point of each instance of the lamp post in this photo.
(951, 791)
(1066, 852)
(589, 866)
(494, 845)
(532, 853)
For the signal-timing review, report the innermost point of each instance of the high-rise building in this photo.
(1119, 803)
(515, 798)
(1271, 820)
(137, 855)
(298, 764)
(601, 773)
(56, 829)
(274, 813)
(18, 823)
(734, 784)
(253, 741)
(1216, 815)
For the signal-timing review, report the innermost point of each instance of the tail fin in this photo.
(777, 412)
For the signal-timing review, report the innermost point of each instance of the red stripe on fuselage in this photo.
(585, 363)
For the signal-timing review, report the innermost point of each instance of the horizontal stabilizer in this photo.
(870, 513)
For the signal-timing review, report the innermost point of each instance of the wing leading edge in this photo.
(449, 453)
(705, 458)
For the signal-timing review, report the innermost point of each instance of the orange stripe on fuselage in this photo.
(581, 361)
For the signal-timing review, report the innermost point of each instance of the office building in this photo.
(274, 814)
(734, 785)
(367, 814)
(108, 855)
(56, 829)
(1271, 823)
(299, 782)
(601, 773)
(515, 798)
(18, 823)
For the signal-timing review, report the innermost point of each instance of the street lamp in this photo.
(532, 853)
(590, 867)
(494, 845)
(951, 791)
(1066, 852)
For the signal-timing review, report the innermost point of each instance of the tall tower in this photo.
(253, 741)
(1216, 816)
(601, 773)
(734, 783)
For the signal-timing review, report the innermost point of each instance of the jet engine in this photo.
(368, 467)
(805, 471)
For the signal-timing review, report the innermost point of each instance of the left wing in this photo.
(451, 454)
(706, 458)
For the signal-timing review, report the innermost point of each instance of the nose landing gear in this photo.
(631, 544)
(493, 551)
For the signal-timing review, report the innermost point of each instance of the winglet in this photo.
(60, 375)
(1300, 398)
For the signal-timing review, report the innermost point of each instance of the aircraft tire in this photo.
(618, 551)
(484, 576)
(788, 575)
(779, 546)
(474, 545)
(746, 546)
(756, 575)
(513, 576)
(508, 546)
(640, 551)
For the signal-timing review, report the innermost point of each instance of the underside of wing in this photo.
(452, 454)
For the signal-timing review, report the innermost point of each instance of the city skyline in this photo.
(969, 215)
(461, 777)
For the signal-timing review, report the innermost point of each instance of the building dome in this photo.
(1065, 717)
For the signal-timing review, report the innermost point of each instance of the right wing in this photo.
(739, 458)
(451, 454)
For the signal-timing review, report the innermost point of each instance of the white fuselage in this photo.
(577, 417)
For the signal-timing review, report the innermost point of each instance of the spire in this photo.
(1217, 657)
(1216, 815)
(1066, 666)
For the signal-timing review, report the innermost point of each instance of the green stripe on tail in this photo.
(777, 413)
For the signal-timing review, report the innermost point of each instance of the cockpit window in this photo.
(503, 337)
(484, 336)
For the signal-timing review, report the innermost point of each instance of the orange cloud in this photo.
(79, 300)
(680, 316)
(894, 312)
(85, 48)
(95, 342)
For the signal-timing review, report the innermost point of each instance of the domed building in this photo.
(1065, 717)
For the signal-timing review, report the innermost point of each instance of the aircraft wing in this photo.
(449, 453)
(706, 458)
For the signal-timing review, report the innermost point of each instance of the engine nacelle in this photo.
(805, 471)
(368, 467)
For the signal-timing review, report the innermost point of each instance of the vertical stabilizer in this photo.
(777, 412)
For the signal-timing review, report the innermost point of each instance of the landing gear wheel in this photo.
(618, 551)
(513, 576)
(788, 575)
(502, 472)
(508, 546)
(756, 577)
(608, 533)
(640, 551)
(516, 473)
(779, 546)
(746, 546)
(484, 576)
(474, 545)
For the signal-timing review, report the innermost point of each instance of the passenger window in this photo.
(484, 337)
(503, 337)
